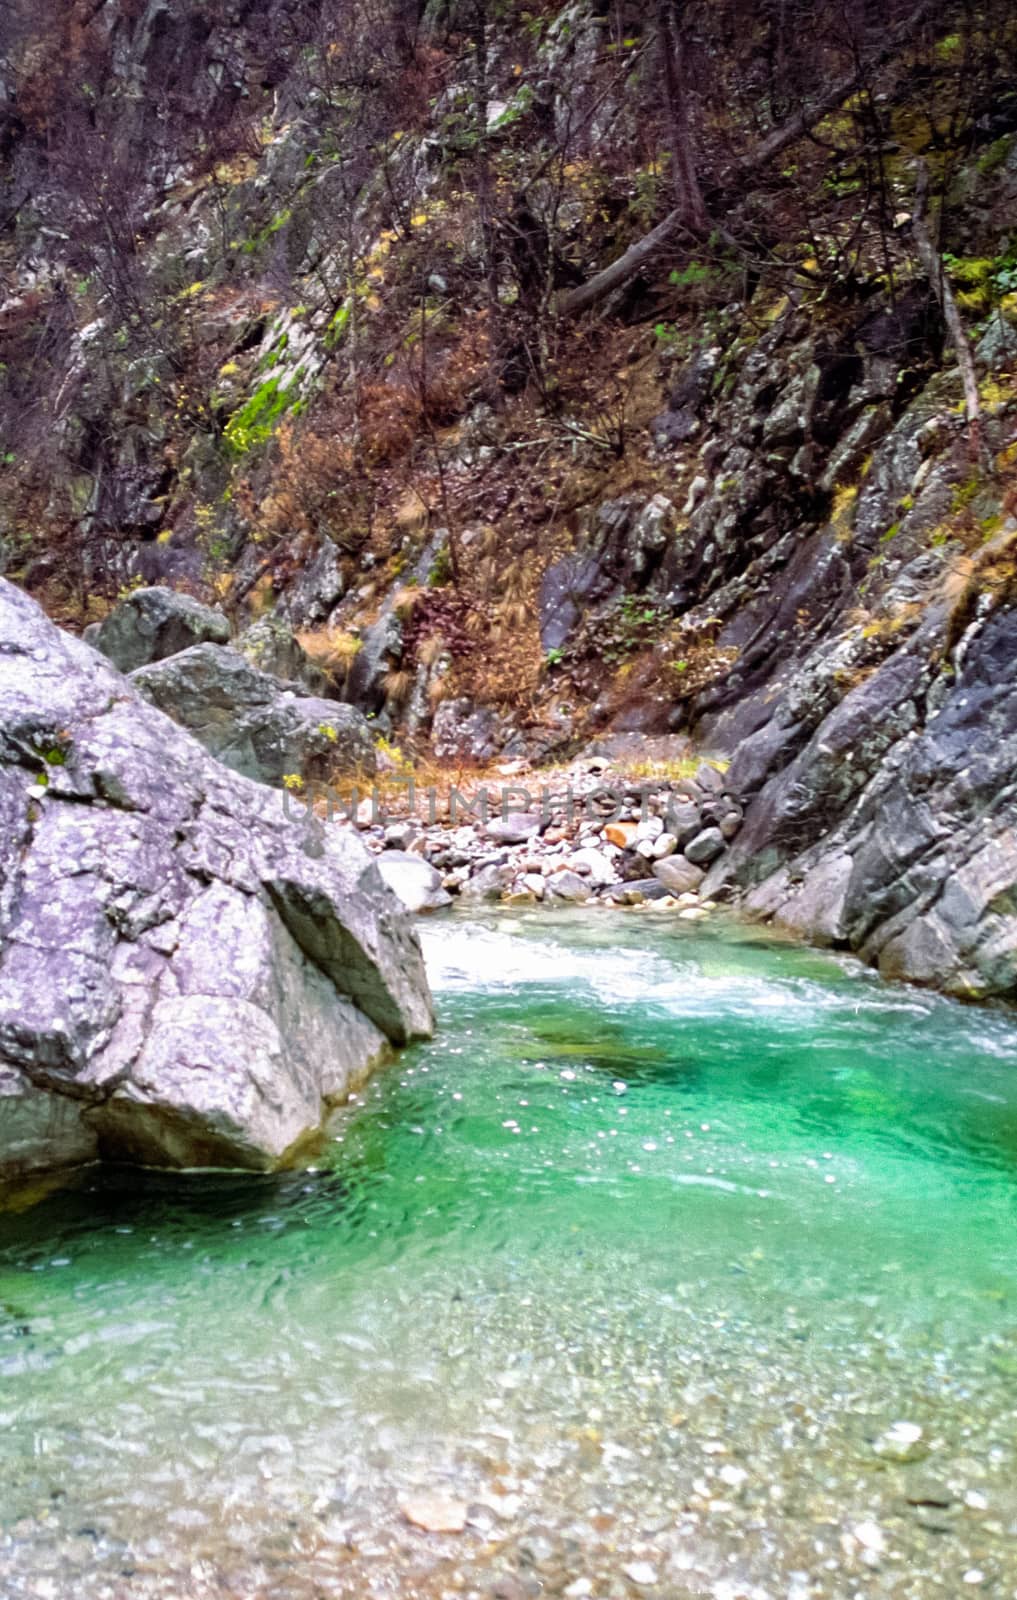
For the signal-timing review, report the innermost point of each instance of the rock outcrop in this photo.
(271, 646)
(254, 723)
(891, 829)
(188, 975)
(151, 624)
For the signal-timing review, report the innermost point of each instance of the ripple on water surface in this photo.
(641, 1262)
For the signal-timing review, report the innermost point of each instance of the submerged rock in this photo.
(902, 1441)
(188, 976)
(435, 1513)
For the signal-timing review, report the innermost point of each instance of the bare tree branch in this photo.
(643, 251)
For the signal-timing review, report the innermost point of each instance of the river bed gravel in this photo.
(679, 1264)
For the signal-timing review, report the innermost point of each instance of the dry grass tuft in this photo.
(398, 687)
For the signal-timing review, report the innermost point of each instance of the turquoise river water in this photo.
(681, 1263)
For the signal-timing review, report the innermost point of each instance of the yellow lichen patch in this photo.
(976, 302)
(996, 392)
(237, 170)
(773, 312)
(842, 512)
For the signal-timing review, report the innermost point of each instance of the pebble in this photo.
(902, 1441)
(435, 1513)
(870, 1536)
(620, 833)
(641, 1573)
(733, 1476)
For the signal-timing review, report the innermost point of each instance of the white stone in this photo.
(902, 1441)
(870, 1536)
(640, 1572)
(652, 828)
(593, 863)
(697, 489)
(733, 1476)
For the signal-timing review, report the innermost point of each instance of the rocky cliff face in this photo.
(308, 350)
(892, 832)
(188, 976)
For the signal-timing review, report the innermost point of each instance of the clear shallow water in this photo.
(638, 1260)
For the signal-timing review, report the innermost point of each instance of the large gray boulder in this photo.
(253, 723)
(190, 974)
(151, 624)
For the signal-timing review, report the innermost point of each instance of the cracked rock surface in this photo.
(188, 975)
(893, 831)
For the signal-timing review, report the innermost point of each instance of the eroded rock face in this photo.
(189, 975)
(463, 731)
(253, 722)
(893, 832)
(271, 646)
(152, 624)
(622, 548)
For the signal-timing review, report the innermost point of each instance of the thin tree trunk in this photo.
(485, 189)
(687, 192)
(932, 265)
(789, 132)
